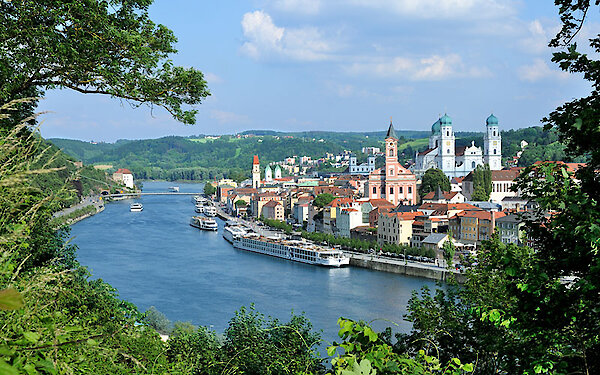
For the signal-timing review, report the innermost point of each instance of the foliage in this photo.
(364, 352)
(482, 183)
(432, 179)
(209, 189)
(323, 199)
(241, 203)
(157, 320)
(277, 224)
(98, 47)
(449, 251)
(72, 216)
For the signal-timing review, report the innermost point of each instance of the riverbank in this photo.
(89, 206)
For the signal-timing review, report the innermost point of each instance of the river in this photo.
(154, 258)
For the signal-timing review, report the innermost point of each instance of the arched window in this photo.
(400, 191)
(391, 171)
(448, 133)
(448, 151)
(391, 152)
(374, 189)
(473, 165)
(494, 133)
(494, 151)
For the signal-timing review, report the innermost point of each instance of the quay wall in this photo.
(408, 269)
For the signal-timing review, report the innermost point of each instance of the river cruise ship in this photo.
(232, 231)
(210, 210)
(204, 223)
(299, 251)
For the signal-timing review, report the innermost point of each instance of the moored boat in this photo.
(174, 189)
(298, 251)
(210, 211)
(232, 231)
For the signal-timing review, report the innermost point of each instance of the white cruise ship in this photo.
(204, 223)
(210, 211)
(199, 208)
(136, 207)
(232, 231)
(298, 251)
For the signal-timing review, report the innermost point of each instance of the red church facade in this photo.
(393, 182)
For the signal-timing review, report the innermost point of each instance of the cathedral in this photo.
(459, 161)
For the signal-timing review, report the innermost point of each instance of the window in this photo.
(448, 151)
(400, 191)
(448, 133)
(494, 133)
(391, 152)
(410, 190)
(391, 171)
(494, 151)
(374, 190)
(391, 190)
(473, 164)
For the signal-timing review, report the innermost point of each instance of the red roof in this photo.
(571, 167)
(404, 215)
(426, 151)
(481, 215)
(255, 161)
(124, 171)
(457, 180)
(339, 201)
(446, 194)
(380, 202)
(272, 204)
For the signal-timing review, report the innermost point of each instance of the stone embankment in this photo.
(409, 268)
(90, 201)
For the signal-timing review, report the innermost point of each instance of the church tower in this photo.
(391, 148)
(447, 143)
(492, 144)
(255, 173)
(268, 174)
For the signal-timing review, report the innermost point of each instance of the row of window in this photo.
(400, 190)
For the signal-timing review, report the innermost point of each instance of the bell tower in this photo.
(255, 172)
(492, 144)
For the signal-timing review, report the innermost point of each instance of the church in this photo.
(459, 161)
(392, 182)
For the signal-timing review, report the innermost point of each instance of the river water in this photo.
(154, 258)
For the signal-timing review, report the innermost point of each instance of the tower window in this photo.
(391, 152)
(494, 133)
(410, 190)
(391, 171)
(374, 190)
(494, 151)
(400, 189)
(391, 190)
(473, 165)
(448, 133)
(448, 151)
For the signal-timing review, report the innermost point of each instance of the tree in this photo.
(323, 199)
(209, 189)
(241, 203)
(449, 251)
(432, 179)
(92, 46)
(482, 183)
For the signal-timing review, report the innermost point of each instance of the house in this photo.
(456, 184)
(257, 202)
(510, 229)
(439, 196)
(124, 176)
(273, 210)
(348, 219)
(472, 227)
(396, 227)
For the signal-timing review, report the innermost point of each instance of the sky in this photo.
(344, 65)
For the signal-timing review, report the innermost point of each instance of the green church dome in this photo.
(492, 121)
(436, 127)
(445, 120)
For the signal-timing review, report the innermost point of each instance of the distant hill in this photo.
(201, 158)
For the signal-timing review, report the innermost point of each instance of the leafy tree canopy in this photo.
(323, 199)
(91, 46)
(209, 189)
(433, 178)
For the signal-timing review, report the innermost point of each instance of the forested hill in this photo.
(201, 158)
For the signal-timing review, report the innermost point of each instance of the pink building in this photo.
(393, 182)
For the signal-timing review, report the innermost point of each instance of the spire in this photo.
(255, 161)
(391, 133)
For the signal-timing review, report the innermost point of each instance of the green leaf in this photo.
(92, 342)
(331, 350)
(31, 337)
(10, 299)
(6, 369)
(468, 367)
(494, 315)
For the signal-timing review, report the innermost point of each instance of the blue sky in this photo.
(344, 65)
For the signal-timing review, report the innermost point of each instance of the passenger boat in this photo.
(204, 223)
(199, 208)
(299, 251)
(136, 207)
(232, 231)
(210, 211)
(174, 189)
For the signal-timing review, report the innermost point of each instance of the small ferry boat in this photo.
(204, 223)
(210, 211)
(199, 208)
(299, 251)
(136, 207)
(232, 231)
(174, 189)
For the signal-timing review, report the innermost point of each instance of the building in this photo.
(348, 219)
(258, 201)
(396, 227)
(364, 168)
(439, 196)
(255, 172)
(393, 182)
(502, 182)
(277, 172)
(124, 176)
(273, 210)
(268, 174)
(472, 227)
(459, 161)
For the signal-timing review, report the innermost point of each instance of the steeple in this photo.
(391, 133)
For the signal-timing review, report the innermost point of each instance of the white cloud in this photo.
(212, 78)
(224, 117)
(266, 40)
(431, 68)
(537, 36)
(540, 70)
